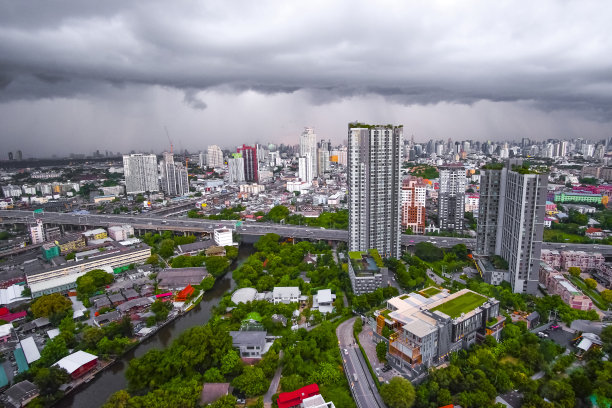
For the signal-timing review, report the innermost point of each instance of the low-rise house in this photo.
(5, 332)
(35, 324)
(323, 301)
(595, 233)
(178, 278)
(30, 349)
(251, 344)
(195, 247)
(116, 299)
(286, 294)
(107, 318)
(20, 394)
(102, 302)
(215, 251)
(211, 392)
(134, 305)
(279, 319)
(130, 294)
(78, 364)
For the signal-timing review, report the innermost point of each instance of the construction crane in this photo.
(169, 140)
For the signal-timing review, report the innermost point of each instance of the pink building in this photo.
(551, 208)
(556, 284)
(551, 257)
(581, 259)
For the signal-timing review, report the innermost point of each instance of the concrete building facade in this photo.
(374, 182)
(140, 172)
(451, 197)
(414, 193)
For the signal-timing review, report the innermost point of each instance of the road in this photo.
(249, 228)
(274, 383)
(362, 385)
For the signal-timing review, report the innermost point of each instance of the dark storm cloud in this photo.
(556, 54)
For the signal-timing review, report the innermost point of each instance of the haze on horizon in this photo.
(78, 76)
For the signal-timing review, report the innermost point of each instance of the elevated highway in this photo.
(161, 223)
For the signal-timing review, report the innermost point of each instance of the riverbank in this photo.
(112, 378)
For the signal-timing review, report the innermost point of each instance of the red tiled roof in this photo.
(294, 398)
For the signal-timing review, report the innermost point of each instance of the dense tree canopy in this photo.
(398, 393)
(49, 305)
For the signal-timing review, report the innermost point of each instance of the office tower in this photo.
(511, 220)
(214, 156)
(413, 204)
(374, 179)
(37, 232)
(235, 166)
(451, 197)
(308, 147)
(140, 171)
(174, 177)
(202, 159)
(249, 155)
(305, 169)
(10, 155)
(19, 155)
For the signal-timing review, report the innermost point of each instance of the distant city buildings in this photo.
(214, 156)
(251, 165)
(235, 168)
(374, 181)
(414, 193)
(174, 177)
(308, 148)
(451, 197)
(140, 172)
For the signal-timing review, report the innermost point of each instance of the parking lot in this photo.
(366, 339)
(562, 337)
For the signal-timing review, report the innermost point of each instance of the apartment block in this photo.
(414, 194)
(428, 325)
(140, 172)
(557, 284)
(451, 197)
(71, 242)
(511, 219)
(374, 183)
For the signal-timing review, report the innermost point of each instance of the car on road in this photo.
(346, 352)
(355, 378)
(555, 327)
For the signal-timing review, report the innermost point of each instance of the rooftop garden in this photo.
(499, 262)
(493, 166)
(525, 168)
(461, 304)
(356, 255)
(429, 292)
(374, 254)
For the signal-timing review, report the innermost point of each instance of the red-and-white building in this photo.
(471, 203)
(414, 193)
(305, 397)
(78, 364)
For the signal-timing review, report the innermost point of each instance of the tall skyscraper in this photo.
(308, 147)
(202, 159)
(511, 220)
(214, 156)
(235, 167)
(413, 204)
(174, 177)
(251, 166)
(451, 197)
(374, 178)
(323, 156)
(140, 171)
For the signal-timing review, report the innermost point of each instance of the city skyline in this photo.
(112, 77)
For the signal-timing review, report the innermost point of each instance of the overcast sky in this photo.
(77, 75)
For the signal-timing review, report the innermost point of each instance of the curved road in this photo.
(362, 385)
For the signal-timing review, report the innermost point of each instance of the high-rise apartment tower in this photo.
(374, 180)
(140, 171)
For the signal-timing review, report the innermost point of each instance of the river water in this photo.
(111, 380)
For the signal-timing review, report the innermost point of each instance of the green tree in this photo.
(54, 350)
(213, 375)
(120, 399)
(606, 295)
(574, 271)
(428, 252)
(92, 281)
(48, 380)
(231, 252)
(166, 248)
(207, 283)
(591, 283)
(381, 351)
(161, 310)
(216, 265)
(231, 363)
(49, 305)
(252, 381)
(398, 393)
(227, 401)
(277, 213)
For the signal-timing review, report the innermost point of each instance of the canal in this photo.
(111, 380)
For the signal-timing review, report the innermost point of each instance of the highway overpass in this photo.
(160, 223)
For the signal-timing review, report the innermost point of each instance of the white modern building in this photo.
(374, 181)
(174, 177)
(37, 233)
(308, 148)
(286, 294)
(235, 168)
(305, 169)
(120, 232)
(214, 156)
(140, 172)
(223, 237)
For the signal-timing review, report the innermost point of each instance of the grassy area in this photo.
(254, 316)
(356, 255)
(429, 292)
(592, 293)
(461, 304)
